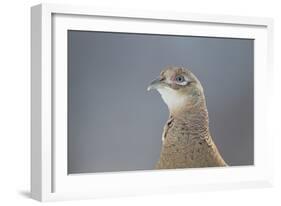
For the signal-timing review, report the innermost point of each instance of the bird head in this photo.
(178, 87)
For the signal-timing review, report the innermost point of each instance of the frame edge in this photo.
(36, 100)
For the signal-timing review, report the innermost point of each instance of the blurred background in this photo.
(114, 124)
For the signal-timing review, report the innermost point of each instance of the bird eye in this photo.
(180, 79)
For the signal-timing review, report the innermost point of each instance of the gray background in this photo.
(114, 124)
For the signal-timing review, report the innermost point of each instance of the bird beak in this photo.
(155, 84)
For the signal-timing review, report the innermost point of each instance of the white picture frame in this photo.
(49, 178)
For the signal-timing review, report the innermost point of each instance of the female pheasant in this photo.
(186, 139)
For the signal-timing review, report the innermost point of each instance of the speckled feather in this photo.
(187, 142)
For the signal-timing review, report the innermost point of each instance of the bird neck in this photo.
(195, 117)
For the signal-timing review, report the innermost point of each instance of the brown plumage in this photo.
(186, 139)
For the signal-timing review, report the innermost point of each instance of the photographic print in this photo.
(148, 101)
(138, 102)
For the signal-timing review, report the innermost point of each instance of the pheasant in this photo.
(186, 139)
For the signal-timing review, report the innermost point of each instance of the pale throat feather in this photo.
(173, 99)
